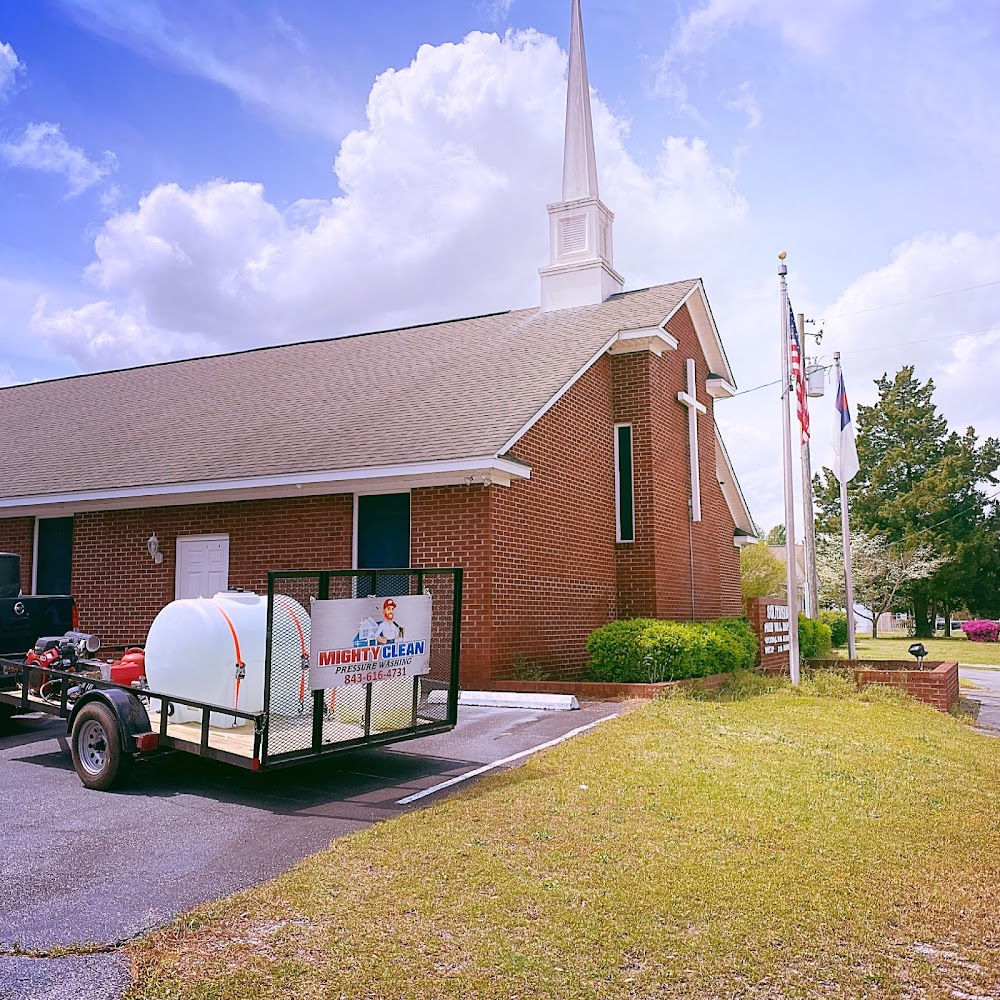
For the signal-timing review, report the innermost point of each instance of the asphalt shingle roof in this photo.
(451, 390)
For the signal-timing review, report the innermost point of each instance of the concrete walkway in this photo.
(987, 693)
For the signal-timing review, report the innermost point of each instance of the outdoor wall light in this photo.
(153, 548)
(917, 650)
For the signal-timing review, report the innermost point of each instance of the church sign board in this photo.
(366, 640)
(771, 620)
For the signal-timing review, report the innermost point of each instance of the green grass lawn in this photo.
(785, 844)
(958, 648)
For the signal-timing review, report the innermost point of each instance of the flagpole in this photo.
(808, 515)
(786, 437)
(845, 532)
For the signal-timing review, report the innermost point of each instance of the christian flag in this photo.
(795, 356)
(846, 466)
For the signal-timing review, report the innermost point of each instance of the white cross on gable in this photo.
(690, 400)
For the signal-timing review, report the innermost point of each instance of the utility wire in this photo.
(928, 340)
(951, 517)
(906, 302)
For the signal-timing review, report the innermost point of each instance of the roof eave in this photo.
(708, 333)
(481, 470)
(731, 488)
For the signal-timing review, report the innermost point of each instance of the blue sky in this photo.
(181, 178)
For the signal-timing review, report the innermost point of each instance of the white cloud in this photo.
(104, 337)
(498, 10)
(264, 61)
(42, 146)
(811, 28)
(744, 100)
(952, 338)
(10, 66)
(442, 214)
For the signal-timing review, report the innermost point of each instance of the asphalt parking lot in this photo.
(97, 868)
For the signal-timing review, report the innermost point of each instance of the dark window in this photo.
(624, 483)
(55, 555)
(384, 540)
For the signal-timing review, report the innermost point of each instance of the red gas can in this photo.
(131, 667)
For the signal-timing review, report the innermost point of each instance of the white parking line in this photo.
(500, 763)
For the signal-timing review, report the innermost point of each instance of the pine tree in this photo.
(920, 484)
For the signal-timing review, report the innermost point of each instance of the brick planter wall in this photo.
(936, 685)
(600, 691)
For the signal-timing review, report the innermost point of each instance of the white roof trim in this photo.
(555, 399)
(708, 333)
(484, 470)
(731, 487)
(654, 339)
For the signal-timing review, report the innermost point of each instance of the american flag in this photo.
(795, 352)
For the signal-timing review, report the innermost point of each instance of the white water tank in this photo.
(392, 704)
(194, 647)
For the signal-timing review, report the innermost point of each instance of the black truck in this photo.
(23, 620)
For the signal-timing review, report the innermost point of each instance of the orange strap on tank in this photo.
(240, 665)
(305, 652)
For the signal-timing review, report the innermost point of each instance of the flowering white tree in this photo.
(880, 571)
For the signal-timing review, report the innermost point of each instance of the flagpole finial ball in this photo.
(782, 255)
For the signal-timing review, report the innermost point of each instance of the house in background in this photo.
(566, 456)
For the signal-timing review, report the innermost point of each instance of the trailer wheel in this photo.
(98, 756)
(6, 713)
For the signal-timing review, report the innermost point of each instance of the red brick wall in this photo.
(119, 589)
(655, 572)
(450, 526)
(635, 562)
(937, 687)
(554, 535)
(17, 534)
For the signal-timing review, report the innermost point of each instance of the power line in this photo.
(951, 517)
(743, 392)
(928, 340)
(906, 302)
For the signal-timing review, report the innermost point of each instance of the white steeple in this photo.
(580, 270)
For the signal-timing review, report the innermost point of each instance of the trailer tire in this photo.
(99, 757)
(6, 713)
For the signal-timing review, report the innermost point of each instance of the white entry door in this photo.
(202, 565)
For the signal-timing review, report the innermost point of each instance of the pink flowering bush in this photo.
(981, 630)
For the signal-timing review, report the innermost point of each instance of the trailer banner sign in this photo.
(365, 640)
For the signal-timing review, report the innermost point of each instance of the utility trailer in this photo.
(111, 724)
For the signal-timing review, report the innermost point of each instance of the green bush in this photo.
(815, 640)
(837, 621)
(648, 650)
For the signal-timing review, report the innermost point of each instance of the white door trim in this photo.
(34, 560)
(224, 537)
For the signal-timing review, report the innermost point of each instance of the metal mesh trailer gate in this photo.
(302, 724)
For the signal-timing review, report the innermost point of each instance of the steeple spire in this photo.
(579, 161)
(581, 268)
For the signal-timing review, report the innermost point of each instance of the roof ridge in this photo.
(264, 347)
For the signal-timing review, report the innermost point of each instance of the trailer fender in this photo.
(131, 713)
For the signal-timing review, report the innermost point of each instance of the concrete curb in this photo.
(511, 699)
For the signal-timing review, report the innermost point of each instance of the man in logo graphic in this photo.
(389, 630)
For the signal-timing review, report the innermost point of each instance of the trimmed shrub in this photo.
(981, 630)
(649, 651)
(815, 641)
(837, 621)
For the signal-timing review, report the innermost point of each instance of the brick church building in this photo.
(566, 456)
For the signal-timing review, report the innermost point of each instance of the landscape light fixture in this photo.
(917, 650)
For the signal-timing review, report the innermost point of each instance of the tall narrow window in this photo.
(624, 479)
